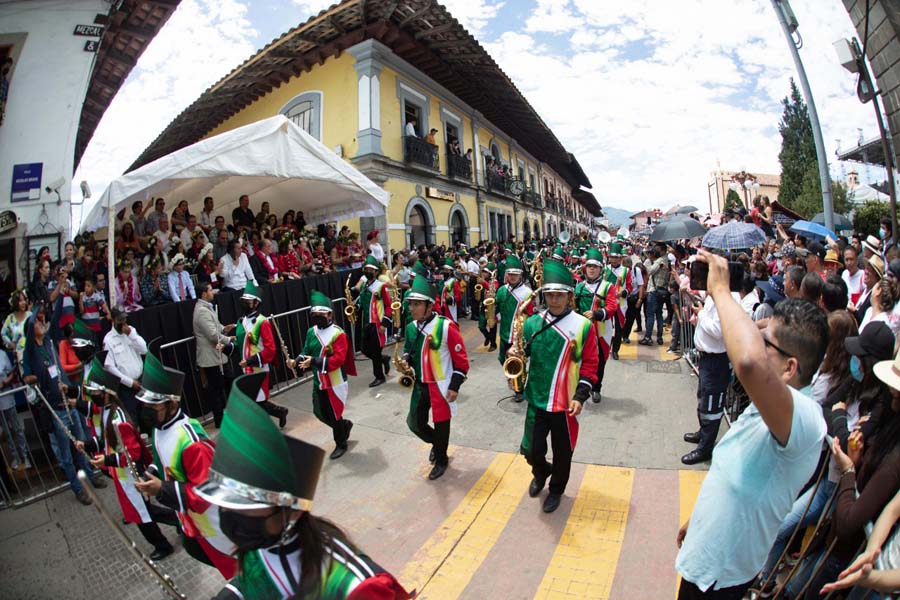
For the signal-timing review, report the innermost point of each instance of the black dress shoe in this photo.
(431, 456)
(660, 341)
(596, 397)
(645, 342)
(519, 397)
(282, 419)
(338, 452)
(492, 348)
(161, 553)
(98, 482)
(692, 437)
(615, 355)
(696, 456)
(536, 486)
(551, 502)
(437, 471)
(376, 383)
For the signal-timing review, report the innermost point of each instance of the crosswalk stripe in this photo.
(628, 351)
(689, 483)
(584, 563)
(439, 552)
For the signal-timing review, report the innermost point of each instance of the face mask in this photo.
(882, 233)
(320, 321)
(247, 533)
(856, 371)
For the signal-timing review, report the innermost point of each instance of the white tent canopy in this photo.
(271, 160)
(864, 192)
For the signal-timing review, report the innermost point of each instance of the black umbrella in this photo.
(677, 229)
(683, 210)
(840, 221)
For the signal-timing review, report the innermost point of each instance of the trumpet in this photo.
(407, 375)
(350, 309)
(514, 366)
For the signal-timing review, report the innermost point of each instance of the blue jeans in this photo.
(653, 311)
(60, 444)
(15, 435)
(830, 569)
(826, 488)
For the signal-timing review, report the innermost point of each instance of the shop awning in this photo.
(271, 160)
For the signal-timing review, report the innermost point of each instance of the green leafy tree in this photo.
(733, 200)
(797, 156)
(867, 218)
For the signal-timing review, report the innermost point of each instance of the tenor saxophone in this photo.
(396, 305)
(407, 375)
(514, 366)
(350, 309)
(490, 304)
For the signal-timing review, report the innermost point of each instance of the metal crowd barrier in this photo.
(20, 487)
(687, 330)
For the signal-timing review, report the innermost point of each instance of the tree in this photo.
(799, 169)
(868, 217)
(732, 200)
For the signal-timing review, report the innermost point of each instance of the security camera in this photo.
(85, 189)
(55, 185)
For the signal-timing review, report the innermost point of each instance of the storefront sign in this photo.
(91, 45)
(8, 221)
(26, 183)
(437, 194)
(88, 30)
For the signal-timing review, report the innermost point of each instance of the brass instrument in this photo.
(407, 375)
(479, 290)
(396, 304)
(164, 581)
(284, 348)
(350, 309)
(490, 303)
(537, 269)
(135, 474)
(514, 366)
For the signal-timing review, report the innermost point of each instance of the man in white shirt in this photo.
(235, 268)
(163, 234)
(472, 270)
(768, 454)
(853, 276)
(181, 287)
(124, 359)
(411, 128)
(207, 218)
(187, 234)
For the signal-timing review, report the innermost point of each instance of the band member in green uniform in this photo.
(597, 299)
(374, 307)
(510, 297)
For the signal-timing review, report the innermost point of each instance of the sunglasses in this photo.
(780, 350)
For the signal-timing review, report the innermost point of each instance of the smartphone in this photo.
(700, 272)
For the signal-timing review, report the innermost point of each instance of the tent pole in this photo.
(111, 255)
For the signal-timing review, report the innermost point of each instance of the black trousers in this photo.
(474, 305)
(689, 591)
(275, 410)
(554, 424)
(340, 428)
(489, 334)
(632, 314)
(601, 369)
(215, 392)
(715, 376)
(371, 349)
(151, 531)
(195, 550)
(439, 435)
(617, 335)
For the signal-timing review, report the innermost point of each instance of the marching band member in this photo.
(597, 299)
(558, 383)
(327, 351)
(509, 298)
(615, 270)
(182, 453)
(490, 284)
(109, 455)
(265, 492)
(434, 349)
(258, 351)
(374, 304)
(451, 292)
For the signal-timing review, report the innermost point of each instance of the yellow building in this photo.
(371, 80)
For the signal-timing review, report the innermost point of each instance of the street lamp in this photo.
(746, 182)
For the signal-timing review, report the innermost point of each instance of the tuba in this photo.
(514, 366)
(407, 375)
(350, 309)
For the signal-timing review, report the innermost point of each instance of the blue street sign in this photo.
(26, 178)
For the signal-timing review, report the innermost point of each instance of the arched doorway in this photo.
(526, 231)
(418, 226)
(458, 228)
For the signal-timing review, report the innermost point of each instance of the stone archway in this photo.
(419, 221)
(459, 225)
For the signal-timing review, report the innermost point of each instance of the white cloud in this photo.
(473, 14)
(313, 7)
(650, 95)
(202, 42)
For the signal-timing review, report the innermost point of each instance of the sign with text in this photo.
(8, 221)
(437, 194)
(91, 45)
(88, 30)
(26, 179)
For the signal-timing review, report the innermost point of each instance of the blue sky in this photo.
(650, 95)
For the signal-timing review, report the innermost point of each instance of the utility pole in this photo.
(789, 25)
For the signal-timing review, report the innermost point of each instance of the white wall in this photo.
(47, 89)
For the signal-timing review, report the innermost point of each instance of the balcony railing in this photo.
(533, 198)
(416, 150)
(459, 167)
(497, 182)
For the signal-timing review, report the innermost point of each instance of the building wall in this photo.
(47, 88)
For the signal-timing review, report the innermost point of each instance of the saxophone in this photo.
(537, 269)
(407, 375)
(350, 309)
(396, 305)
(514, 366)
(490, 303)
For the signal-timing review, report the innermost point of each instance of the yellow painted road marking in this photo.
(629, 351)
(584, 563)
(441, 551)
(689, 483)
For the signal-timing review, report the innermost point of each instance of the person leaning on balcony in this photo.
(411, 128)
(429, 139)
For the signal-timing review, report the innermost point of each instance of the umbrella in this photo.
(734, 235)
(811, 229)
(840, 221)
(677, 229)
(683, 210)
